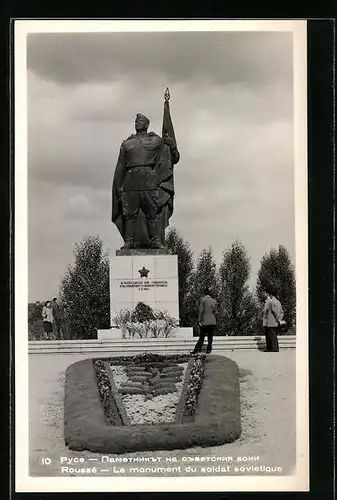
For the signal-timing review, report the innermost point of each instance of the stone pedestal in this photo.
(149, 276)
(114, 334)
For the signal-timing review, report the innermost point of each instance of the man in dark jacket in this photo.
(272, 319)
(207, 322)
(58, 315)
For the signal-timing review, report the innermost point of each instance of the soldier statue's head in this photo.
(141, 123)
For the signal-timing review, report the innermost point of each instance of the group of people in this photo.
(53, 316)
(54, 320)
(272, 320)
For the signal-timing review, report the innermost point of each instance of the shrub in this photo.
(142, 313)
(160, 324)
(85, 290)
(35, 312)
(35, 322)
(121, 319)
(132, 330)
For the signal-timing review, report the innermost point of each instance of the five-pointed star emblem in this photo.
(143, 272)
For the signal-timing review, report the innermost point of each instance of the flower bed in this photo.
(208, 411)
(151, 388)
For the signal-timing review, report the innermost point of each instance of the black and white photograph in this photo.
(161, 256)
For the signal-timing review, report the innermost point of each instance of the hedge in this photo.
(216, 420)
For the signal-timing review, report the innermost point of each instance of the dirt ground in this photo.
(268, 415)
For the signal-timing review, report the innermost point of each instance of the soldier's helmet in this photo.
(142, 118)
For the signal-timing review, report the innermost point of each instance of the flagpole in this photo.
(167, 121)
(167, 94)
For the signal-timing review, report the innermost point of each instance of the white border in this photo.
(25, 483)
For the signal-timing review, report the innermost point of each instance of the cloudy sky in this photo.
(232, 109)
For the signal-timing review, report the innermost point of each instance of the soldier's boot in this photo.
(154, 230)
(129, 234)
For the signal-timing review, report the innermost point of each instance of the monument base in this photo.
(116, 334)
(146, 277)
(143, 251)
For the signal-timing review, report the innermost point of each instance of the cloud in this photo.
(231, 104)
(79, 206)
(179, 56)
(69, 143)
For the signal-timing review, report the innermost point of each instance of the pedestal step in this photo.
(123, 347)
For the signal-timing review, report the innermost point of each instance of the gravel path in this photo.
(268, 400)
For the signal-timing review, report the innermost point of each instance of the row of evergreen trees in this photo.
(85, 287)
(240, 309)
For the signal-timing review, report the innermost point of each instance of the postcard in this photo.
(161, 254)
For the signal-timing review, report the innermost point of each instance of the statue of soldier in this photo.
(143, 181)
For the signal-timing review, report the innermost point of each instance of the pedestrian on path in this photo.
(207, 322)
(272, 319)
(47, 316)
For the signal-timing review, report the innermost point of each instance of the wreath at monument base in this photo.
(151, 402)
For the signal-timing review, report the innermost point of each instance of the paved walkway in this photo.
(267, 403)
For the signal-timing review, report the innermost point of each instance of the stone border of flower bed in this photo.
(188, 398)
(217, 417)
(118, 400)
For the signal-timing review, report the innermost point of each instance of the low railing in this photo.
(160, 345)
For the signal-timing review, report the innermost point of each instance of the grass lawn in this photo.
(216, 420)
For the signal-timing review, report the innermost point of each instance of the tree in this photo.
(203, 276)
(277, 270)
(85, 290)
(181, 248)
(35, 312)
(35, 322)
(237, 305)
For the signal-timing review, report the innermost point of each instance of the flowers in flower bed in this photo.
(194, 383)
(143, 322)
(149, 357)
(105, 391)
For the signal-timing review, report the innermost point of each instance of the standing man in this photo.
(272, 319)
(56, 317)
(207, 322)
(59, 319)
(65, 322)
